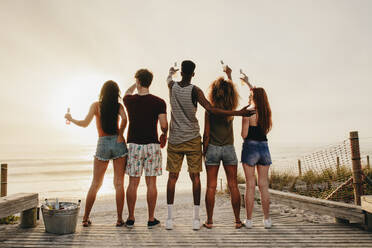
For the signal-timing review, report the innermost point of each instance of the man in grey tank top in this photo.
(184, 136)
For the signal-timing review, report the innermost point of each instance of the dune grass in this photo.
(320, 183)
(313, 183)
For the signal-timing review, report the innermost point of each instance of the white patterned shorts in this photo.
(146, 158)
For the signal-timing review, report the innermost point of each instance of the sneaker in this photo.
(129, 223)
(154, 223)
(248, 223)
(267, 223)
(169, 224)
(196, 224)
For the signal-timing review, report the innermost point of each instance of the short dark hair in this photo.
(188, 67)
(144, 76)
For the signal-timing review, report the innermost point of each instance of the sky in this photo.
(312, 57)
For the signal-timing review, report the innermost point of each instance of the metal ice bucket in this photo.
(61, 221)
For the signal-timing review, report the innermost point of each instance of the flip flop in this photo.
(208, 225)
(238, 225)
(86, 223)
(120, 223)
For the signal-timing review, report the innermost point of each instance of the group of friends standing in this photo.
(141, 152)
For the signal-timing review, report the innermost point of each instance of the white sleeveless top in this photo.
(183, 125)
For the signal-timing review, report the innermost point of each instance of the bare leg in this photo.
(119, 170)
(152, 195)
(196, 187)
(132, 195)
(231, 176)
(263, 184)
(171, 186)
(250, 182)
(98, 175)
(212, 172)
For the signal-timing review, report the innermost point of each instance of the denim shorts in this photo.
(108, 148)
(216, 154)
(256, 153)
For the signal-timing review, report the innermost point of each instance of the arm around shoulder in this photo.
(207, 106)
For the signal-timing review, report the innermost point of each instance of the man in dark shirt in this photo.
(144, 111)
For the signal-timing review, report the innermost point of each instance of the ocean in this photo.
(65, 171)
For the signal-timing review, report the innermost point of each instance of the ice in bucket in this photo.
(60, 217)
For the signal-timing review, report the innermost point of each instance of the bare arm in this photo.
(164, 128)
(228, 71)
(123, 123)
(245, 79)
(131, 89)
(207, 106)
(163, 123)
(88, 118)
(245, 127)
(170, 82)
(206, 132)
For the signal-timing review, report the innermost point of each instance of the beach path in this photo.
(292, 228)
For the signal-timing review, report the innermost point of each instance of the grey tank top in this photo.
(183, 125)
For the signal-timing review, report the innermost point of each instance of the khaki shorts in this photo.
(193, 151)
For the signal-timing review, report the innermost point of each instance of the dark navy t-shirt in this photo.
(143, 112)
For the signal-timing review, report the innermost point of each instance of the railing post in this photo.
(299, 168)
(4, 180)
(338, 165)
(357, 166)
(368, 166)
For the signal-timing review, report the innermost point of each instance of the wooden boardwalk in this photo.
(288, 231)
(281, 235)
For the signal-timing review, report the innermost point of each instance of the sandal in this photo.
(238, 224)
(86, 223)
(208, 225)
(120, 223)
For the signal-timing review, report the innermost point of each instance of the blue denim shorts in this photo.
(256, 153)
(216, 154)
(108, 148)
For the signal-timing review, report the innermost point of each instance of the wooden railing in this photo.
(24, 203)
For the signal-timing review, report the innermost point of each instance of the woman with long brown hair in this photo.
(256, 154)
(111, 146)
(218, 145)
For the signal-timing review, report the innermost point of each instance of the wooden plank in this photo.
(293, 235)
(287, 231)
(350, 212)
(17, 203)
(367, 203)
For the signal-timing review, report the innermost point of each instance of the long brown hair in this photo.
(223, 94)
(263, 109)
(109, 105)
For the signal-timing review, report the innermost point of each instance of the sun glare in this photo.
(76, 93)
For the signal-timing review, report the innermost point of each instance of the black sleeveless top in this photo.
(256, 133)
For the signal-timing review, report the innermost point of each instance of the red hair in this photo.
(263, 109)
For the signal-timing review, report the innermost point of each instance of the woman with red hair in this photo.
(255, 152)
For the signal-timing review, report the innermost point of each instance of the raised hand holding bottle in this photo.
(68, 115)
